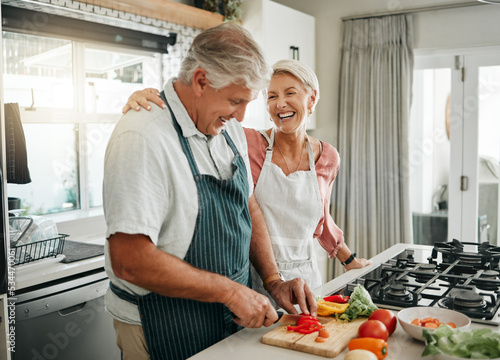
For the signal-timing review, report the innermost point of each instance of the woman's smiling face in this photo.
(288, 102)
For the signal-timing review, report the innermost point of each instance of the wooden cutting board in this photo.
(340, 335)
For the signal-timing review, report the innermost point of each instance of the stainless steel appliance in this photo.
(455, 275)
(65, 319)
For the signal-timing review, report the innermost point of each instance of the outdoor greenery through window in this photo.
(70, 95)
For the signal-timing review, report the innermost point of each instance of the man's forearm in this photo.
(136, 259)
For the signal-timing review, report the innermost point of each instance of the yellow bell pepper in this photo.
(326, 308)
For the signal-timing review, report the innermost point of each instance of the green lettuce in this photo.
(475, 344)
(360, 304)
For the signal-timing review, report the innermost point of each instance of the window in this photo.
(70, 95)
(430, 154)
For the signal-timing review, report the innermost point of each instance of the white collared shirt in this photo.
(148, 186)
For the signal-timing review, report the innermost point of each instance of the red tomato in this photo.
(373, 329)
(386, 317)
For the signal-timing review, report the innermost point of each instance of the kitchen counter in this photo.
(247, 345)
(50, 269)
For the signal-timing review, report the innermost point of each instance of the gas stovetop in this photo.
(456, 275)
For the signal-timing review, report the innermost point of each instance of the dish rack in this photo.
(39, 250)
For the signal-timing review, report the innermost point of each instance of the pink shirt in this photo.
(329, 235)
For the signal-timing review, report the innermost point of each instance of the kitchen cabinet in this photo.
(283, 33)
(278, 28)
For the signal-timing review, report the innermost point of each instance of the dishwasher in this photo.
(65, 319)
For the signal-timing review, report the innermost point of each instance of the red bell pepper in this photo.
(340, 299)
(308, 317)
(296, 328)
(305, 320)
(309, 330)
(306, 326)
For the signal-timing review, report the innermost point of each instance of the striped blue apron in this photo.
(177, 328)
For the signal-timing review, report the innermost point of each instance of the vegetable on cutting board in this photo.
(306, 327)
(376, 346)
(326, 308)
(341, 299)
(309, 325)
(474, 344)
(360, 354)
(323, 333)
(360, 304)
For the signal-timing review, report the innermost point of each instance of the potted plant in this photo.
(231, 9)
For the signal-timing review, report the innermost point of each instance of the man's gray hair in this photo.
(302, 72)
(229, 55)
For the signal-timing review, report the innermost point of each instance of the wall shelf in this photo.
(166, 10)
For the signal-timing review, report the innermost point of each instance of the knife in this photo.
(291, 319)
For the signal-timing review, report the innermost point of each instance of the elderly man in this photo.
(183, 224)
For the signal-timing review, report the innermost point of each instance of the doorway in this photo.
(455, 146)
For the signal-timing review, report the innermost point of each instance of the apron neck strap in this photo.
(184, 142)
(311, 154)
(270, 140)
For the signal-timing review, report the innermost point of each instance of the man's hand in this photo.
(296, 291)
(251, 309)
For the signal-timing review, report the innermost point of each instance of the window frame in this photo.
(85, 221)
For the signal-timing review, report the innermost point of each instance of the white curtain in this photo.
(371, 200)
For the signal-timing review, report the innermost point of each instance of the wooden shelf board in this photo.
(167, 10)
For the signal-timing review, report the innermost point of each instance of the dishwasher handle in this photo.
(72, 309)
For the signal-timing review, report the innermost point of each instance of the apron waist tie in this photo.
(122, 294)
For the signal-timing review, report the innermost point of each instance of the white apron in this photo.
(292, 208)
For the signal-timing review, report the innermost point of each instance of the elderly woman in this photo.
(293, 176)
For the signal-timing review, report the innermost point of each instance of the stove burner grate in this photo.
(470, 303)
(469, 299)
(488, 280)
(442, 276)
(424, 273)
(454, 250)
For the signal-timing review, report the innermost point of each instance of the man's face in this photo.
(215, 107)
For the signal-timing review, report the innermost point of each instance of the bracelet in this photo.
(349, 260)
(272, 278)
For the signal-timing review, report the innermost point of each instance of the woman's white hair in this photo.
(229, 55)
(302, 72)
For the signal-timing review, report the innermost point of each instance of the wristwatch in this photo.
(349, 260)
(273, 277)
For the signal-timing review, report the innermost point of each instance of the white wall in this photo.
(455, 28)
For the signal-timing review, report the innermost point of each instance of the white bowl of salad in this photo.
(414, 320)
(446, 343)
